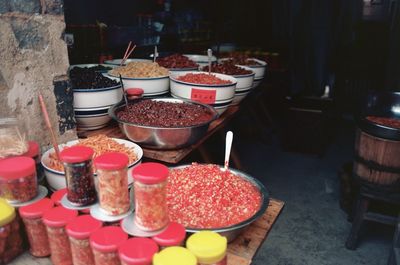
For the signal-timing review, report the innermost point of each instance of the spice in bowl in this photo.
(89, 78)
(227, 68)
(204, 196)
(176, 61)
(385, 121)
(204, 79)
(155, 113)
(140, 70)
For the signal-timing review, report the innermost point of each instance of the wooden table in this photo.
(240, 252)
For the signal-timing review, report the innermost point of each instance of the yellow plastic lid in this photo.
(7, 212)
(174, 256)
(209, 247)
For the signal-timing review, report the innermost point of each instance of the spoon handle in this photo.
(228, 145)
(209, 54)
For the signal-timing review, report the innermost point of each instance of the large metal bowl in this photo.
(161, 137)
(231, 232)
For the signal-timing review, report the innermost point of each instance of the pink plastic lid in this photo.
(33, 149)
(150, 173)
(17, 167)
(172, 236)
(76, 154)
(134, 92)
(59, 216)
(138, 251)
(57, 196)
(111, 161)
(83, 226)
(108, 239)
(36, 209)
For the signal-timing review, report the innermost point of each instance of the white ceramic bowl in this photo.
(259, 70)
(56, 179)
(152, 86)
(201, 60)
(92, 118)
(97, 97)
(257, 82)
(218, 96)
(244, 85)
(117, 62)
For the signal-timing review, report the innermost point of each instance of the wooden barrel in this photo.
(377, 160)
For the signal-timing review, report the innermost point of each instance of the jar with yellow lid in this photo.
(209, 248)
(10, 237)
(174, 256)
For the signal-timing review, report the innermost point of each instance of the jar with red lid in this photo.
(34, 153)
(18, 181)
(57, 196)
(10, 237)
(150, 183)
(55, 220)
(137, 251)
(112, 183)
(79, 231)
(173, 235)
(35, 229)
(78, 169)
(105, 243)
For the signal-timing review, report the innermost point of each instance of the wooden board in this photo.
(240, 252)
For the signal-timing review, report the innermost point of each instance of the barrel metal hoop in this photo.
(376, 166)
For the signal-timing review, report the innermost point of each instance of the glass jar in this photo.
(78, 169)
(18, 181)
(209, 248)
(105, 243)
(112, 183)
(55, 220)
(79, 231)
(12, 138)
(34, 153)
(137, 251)
(35, 229)
(174, 256)
(150, 183)
(173, 235)
(10, 237)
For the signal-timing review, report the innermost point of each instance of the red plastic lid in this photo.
(33, 149)
(17, 167)
(138, 251)
(85, 211)
(36, 209)
(108, 239)
(57, 196)
(59, 216)
(150, 173)
(134, 92)
(76, 154)
(83, 226)
(172, 236)
(111, 161)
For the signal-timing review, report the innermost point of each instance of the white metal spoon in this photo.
(209, 54)
(228, 145)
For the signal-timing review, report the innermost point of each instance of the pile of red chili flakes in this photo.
(203, 196)
(205, 79)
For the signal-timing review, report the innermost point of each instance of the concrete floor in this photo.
(312, 228)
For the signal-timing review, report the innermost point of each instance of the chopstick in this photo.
(47, 120)
(127, 53)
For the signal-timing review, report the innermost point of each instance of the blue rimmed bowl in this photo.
(217, 96)
(92, 118)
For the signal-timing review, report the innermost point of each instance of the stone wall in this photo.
(33, 59)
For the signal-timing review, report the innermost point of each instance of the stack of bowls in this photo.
(244, 85)
(259, 71)
(218, 96)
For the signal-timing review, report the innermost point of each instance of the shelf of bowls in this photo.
(99, 219)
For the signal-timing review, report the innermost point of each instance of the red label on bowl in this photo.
(203, 96)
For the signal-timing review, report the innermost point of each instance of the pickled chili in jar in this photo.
(11, 244)
(112, 183)
(78, 169)
(137, 251)
(105, 243)
(34, 153)
(35, 229)
(209, 247)
(150, 196)
(174, 256)
(173, 235)
(18, 181)
(55, 220)
(79, 231)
